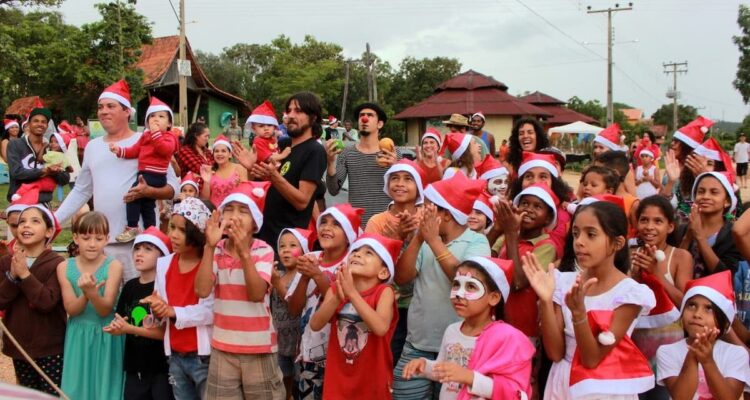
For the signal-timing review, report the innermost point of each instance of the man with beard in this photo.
(289, 203)
(364, 163)
(110, 179)
(477, 125)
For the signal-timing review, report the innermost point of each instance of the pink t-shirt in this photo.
(240, 325)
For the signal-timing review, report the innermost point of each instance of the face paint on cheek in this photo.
(296, 252)
(499, 185)
(467, 287)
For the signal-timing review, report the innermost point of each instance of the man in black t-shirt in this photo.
(289, 202)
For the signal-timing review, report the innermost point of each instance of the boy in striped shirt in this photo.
(238, 269)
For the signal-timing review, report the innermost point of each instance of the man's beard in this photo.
(298, 130)
(364, 133)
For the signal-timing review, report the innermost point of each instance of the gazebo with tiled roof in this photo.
(468, 93)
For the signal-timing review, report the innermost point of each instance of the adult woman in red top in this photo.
(527, 135)
(194, 151)
(428, 157)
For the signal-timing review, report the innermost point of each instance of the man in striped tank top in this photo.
(364, 163)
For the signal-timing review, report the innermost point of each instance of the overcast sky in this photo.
(552, 46)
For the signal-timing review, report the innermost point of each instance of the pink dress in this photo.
(221, 188)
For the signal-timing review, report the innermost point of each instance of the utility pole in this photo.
(609, 11)
(368, 65)
(346, 90)
(674, 94)
(119, 27)
(183, 69)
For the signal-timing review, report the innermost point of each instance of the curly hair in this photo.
(515, 152)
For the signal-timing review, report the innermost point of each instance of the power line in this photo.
(174, 11)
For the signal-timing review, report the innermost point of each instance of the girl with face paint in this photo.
(477, 354)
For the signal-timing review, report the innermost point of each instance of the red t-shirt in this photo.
(360, 363)
(181, 293)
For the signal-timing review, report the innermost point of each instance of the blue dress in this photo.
(92, 365)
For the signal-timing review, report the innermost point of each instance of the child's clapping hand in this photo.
(87, 283)
(345, 284)
(448, 371)
(307, 265)
(703, 345)
(118, 326)
(159, 306)
(415, 368)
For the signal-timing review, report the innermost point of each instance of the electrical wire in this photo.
(174, 11)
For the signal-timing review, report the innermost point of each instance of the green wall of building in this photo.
(214, 108)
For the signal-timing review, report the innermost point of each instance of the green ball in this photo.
(339, 144)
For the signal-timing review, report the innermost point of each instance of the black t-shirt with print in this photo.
(306, 162)
(142, 355)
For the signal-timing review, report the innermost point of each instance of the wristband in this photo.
(583, 320)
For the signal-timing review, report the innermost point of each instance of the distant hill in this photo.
(727, 126)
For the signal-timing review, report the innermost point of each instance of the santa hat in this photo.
(417, 173)
(26, 195)
(118, 91)
(533, 160)
(305, 237)
(610, 137)
(457, 144)
(57, 228)
(610, 377)
(263, 114)
(157, 105)
(664, 312)
(710, 149)
(251, 194)
(456, 195)
(9, 123)
(501, 272)
(332, 120)
(727, 181)
(386, 248)
(490, 168)
(483, 204)
(692, 134)
(716, 287)
(63, 140)
(189, 179)
(433, 134)
(156, 237)
(64, 127)
(221, 139)
(647, 152)
(348, 217)
(544, 193)
(610, 198)
(480, 115)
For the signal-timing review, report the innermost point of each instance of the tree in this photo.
(742, 82)
(417, 79)
(30, 3)
(745, 127)
(664, 115)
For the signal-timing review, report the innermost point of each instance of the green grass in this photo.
(64, 238)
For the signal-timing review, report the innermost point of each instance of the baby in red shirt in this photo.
(264, 124)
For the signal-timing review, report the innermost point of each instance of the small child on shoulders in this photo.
(361, 306)
(154, 151)
(264, 124)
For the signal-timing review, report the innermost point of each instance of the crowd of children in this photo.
(480, 280)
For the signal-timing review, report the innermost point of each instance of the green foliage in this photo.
(663, 116)
(745, 126)
(598, 111)
(30, 3)
(742, 82)
(44, 56)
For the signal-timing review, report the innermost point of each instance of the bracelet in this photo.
(583, 320)
(443, 256)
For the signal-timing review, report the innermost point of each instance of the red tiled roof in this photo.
(538, 98)
(468, 93)
(23, 105)
(562, 115)
(632, 114)
(157, 57)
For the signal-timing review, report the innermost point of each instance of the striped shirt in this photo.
(365, 181)
(240, 325)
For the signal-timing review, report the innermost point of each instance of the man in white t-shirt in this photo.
(110, 180)
(741, 157)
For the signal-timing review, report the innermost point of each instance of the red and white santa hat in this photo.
(55, 223)
(305, 237)
(157, 105)
(156, 237)
(65, 128)
(544, 193)
(189, 179)
(479, 114)
(348, 217)
(610, 137)
(432, 133)
(531, 160)
(413, 169)
(501, 272)
(118, 91)
(221, 140)
(710, 149)
(456, 195)
(693, 133)
(646, 152)
(9, 123)
(457, 144)
(63, 140)
(664, 312)
(484, 205)
(623, 371)
(611, 198)
(386, 248)
(26, 195)
(263, 114)
(253, 195)
(490, 168)
(332, 120)
(715, 287)
(726, 178)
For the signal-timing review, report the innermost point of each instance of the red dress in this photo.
(360, 363)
